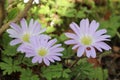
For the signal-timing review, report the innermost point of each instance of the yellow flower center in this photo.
(86, 40)
(26, 37)
(42, 52)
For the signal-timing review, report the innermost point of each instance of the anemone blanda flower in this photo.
(24, 32)
(86, 38)
(42, 50)
(35, 1)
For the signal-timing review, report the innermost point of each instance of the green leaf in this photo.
(68, 52)
(82, 70)
(28, 62)
(27, 74)
(80, 14)
(111, 25)
(70, 13)
(65, 73)
(10, 50)
(64, 3)
(50, 29)
(55, 71)
(5, 40)
(62, 37)
(85, 70)
(44, 10)
(8, 66)
(13, 13)
(102, 74)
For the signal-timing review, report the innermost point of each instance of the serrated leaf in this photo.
(54, 71)
(27, 61)
(62, 37)
(68, 52)
(10, 50)
(85, 70)
(27, 74)
(65, 73)
(5, 40)
(111, 25)
(8, 66)
(102, 74)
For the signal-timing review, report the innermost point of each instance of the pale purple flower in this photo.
(24, 32)
(86, 38)
(41, 49)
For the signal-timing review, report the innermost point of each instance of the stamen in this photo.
(26, 37)
(86, 40)
(42, 51)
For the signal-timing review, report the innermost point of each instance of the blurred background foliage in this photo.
(56, 15)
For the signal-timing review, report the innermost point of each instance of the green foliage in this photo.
(55, 71)
(50, 29)
(27, 74)
(62, 37)
(9, 65)
(111, 25)
(98, 74)
(5, 40)
(8, 50)
(12, 13)
(85, 70)
(68, 52)
(44, 10)
(27, 61)
(82, 71)
(56, 15)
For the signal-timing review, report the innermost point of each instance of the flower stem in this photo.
(18, 18)
(74, 62)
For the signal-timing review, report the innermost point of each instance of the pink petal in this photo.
(100, 32)
(57, 54)
(56, 58)
(51, 43)
(93, 26)
(84, 24)
(80, 51)
(50, 59)
(15, 41)
(97, 47)
(75, 28)
(71, 35)
(16, 27)
(46, 61)
(55, 46)
(88, 53)
(40, 60)
(56, 50)
(76, 46)
(13, 32)
(70, 42)
(24, 25)
(35, 59)
(93, 53)
(104, 45)
(29, 54)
